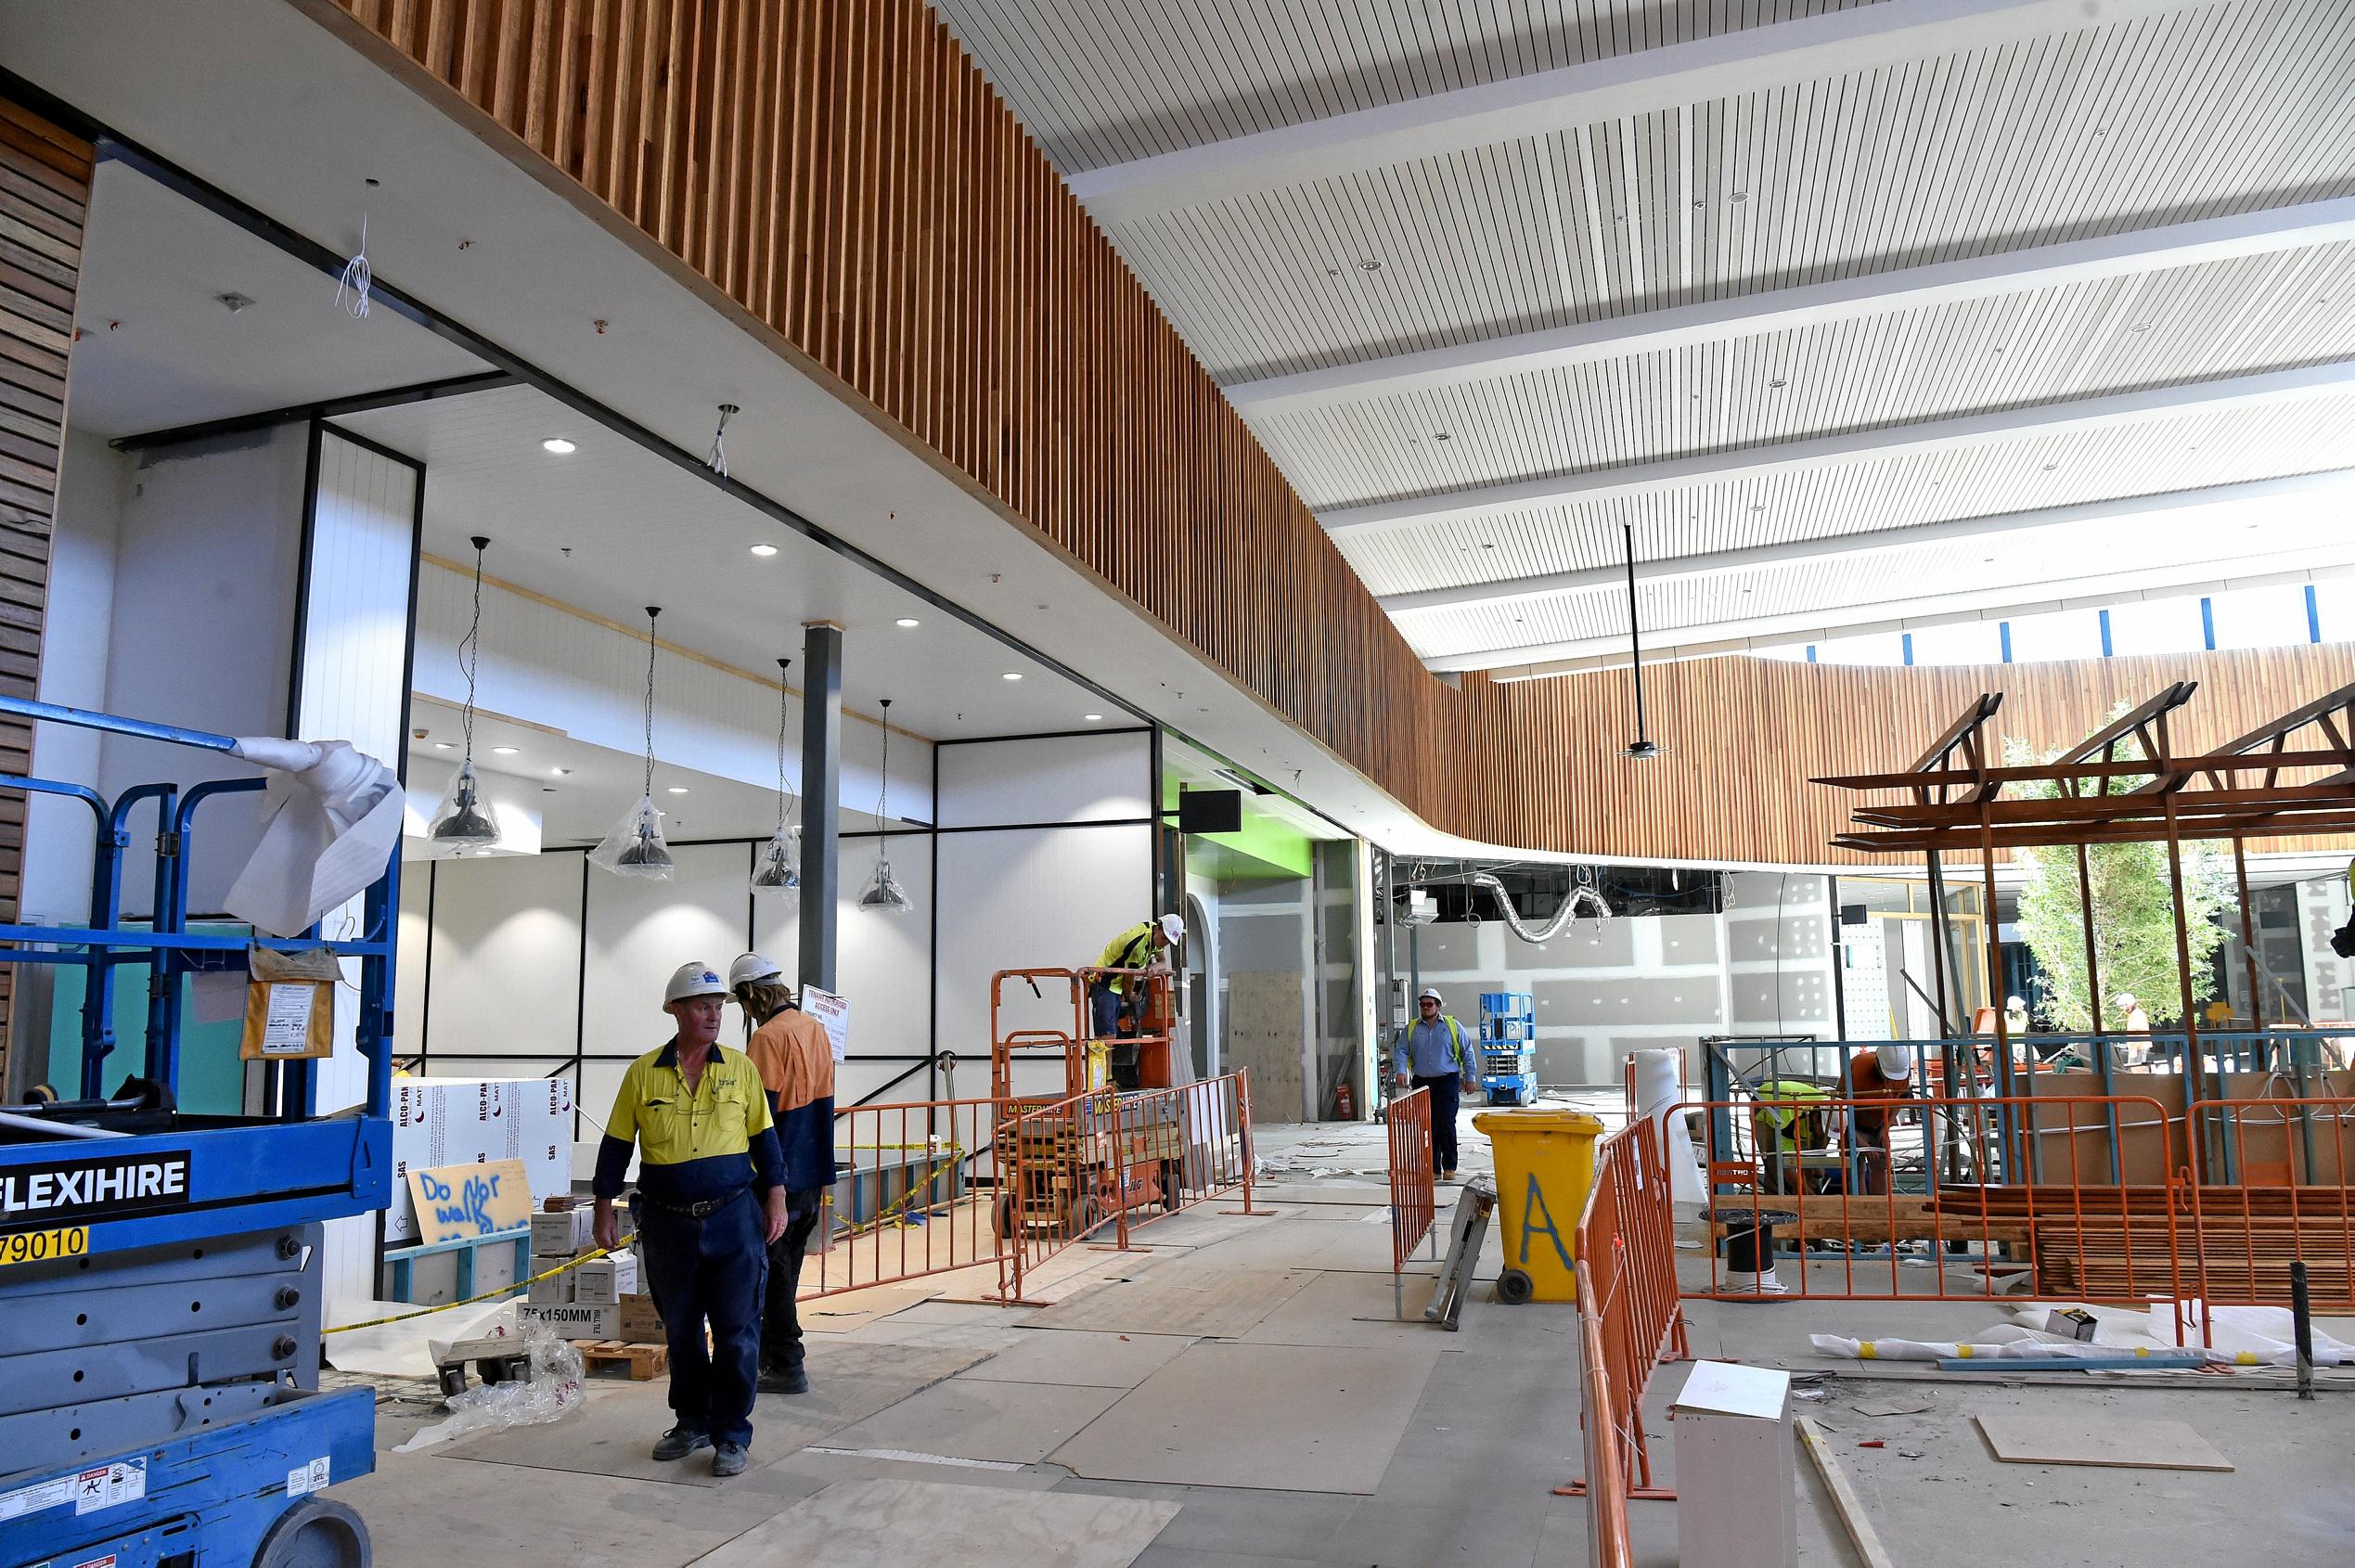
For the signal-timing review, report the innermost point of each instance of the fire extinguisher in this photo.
(1344, 1104)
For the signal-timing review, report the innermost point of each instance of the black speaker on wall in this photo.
(1210, 810)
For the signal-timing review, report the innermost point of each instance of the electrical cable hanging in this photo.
(1642, 746)
(357, 278)
(718, 459)
(460, 824)
(886, 894)
(780, 866)
(1585, 893)
(634, 847)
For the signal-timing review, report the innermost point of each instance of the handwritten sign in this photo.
(832, 1014)
(456, 1201)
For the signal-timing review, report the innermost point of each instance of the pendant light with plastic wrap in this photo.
(462, 824)
(781, 863)
(634, 847)
(886, 894)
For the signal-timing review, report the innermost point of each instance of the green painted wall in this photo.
(1275, 849)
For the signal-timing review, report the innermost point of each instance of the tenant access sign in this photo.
(35, 1193)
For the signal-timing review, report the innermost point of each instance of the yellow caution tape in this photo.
(487, 1295)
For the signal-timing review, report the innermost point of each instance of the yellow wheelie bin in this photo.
(1545, 1165)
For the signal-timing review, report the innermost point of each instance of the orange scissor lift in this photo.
(1065, 1174)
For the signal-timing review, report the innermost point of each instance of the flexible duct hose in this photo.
(1582, 894)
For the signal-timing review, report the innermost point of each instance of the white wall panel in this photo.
(883, 962)
(506, 943)
(1074, 778)
(1029, 899)
(412, 958)
(640, 931)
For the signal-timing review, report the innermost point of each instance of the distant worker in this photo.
(1116, 1006)
(1430, 1055)
(1142, 945)
(711, 1200)
(1792, 1122)
(2137, 1021)
(795, 1058)
(1884, 1073)
(2016, 1015)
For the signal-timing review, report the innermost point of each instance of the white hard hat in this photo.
(698, 979)
(2013, 1004)
(2125, 998)
(1173, 928)
(751, 966)
(1429, 995)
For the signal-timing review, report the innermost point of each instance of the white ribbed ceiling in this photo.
(2038, 126)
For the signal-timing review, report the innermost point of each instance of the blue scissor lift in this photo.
(159, 1272)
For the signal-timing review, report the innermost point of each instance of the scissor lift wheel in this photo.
(314, 1533)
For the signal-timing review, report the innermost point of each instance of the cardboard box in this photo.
(563, 1234)
(604, 1282)
(439, 1121)
(571, 1321)
(640, 1324)
(557, 1291)
(2075, 1324)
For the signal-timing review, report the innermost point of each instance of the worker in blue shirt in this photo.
(711, 1198)
(1432, 1055)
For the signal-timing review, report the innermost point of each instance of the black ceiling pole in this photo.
(1643, 745)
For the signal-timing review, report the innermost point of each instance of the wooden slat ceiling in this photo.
(2159, 118)
(842, 175)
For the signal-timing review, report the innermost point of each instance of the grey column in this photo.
(821, 798)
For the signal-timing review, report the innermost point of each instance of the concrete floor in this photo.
(1468, 1478)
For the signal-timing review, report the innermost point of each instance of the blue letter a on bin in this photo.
(1533, 1208)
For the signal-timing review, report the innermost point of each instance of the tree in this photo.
(2133, 915)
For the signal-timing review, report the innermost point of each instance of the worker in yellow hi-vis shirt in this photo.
(1141, 946)
(711, 1198)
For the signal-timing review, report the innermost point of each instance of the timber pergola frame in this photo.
(2254, 786)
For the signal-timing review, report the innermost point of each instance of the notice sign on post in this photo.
(457, 1201)
(289, 1004)
(832, 1014)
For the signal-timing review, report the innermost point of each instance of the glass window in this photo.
(2334, 598)
(2156, 626)
(1879, 648)
(2265, 617)
(1959, 642)
(2060, 634)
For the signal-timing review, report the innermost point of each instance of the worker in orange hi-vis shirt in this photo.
(796, 1060)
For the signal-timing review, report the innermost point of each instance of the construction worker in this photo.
(796, 1060)
(1884, 1073)
(1141, 946)
(711, 1200)
(1430, 1055)
(1792, 1119)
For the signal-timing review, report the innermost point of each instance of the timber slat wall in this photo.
(45, 192)
(841, 170)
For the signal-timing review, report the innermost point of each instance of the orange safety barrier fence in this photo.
(1606, 1489)
(908, 1199)
(1414, 1197)
(2267, 1186)
(1627, 1255)
(1071, 1168)
(1821, 1176)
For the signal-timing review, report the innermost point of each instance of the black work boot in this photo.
(679, 1442)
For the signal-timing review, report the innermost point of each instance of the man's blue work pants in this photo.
(710, 1269)
(1446, 1093)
